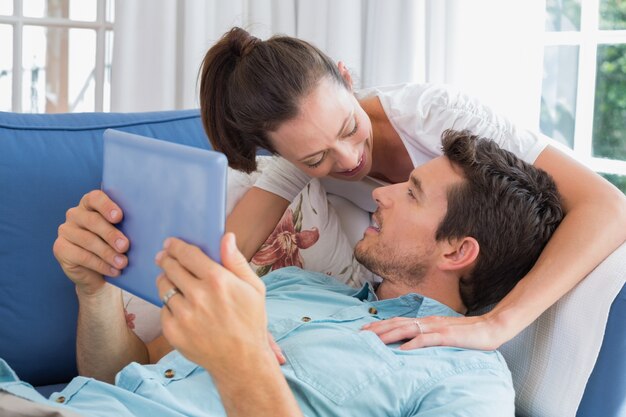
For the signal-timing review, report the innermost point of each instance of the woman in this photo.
(286, 96)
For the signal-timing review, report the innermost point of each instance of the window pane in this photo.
(562, 15)
(110, 14)
(609, 119)
(34, 69)
(108, 59)
(58, 70)
(82, 70)
(617, 180)
(612, 14)
(558, 93)
(86, 10)
(6, 7)
(6, 67)
(34, 8)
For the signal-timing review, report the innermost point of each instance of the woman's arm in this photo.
(258, 212)
(593, 227)
(254, 218)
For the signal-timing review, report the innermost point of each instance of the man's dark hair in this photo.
(509, 206)
(249, 87)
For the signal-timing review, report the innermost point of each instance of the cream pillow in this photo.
(309, 236)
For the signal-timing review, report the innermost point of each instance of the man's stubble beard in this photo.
(390, 264)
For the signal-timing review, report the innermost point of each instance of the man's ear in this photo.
(343, 70)
(459, 254)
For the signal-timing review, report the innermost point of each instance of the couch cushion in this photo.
(47, 163)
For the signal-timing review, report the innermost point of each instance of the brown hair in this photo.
(248, 87)
(509, 206)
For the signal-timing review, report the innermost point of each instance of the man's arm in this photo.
(217, 319)
(89, 246)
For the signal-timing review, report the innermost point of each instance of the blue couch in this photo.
(47, 163)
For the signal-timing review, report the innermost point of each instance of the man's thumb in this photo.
(236, 263)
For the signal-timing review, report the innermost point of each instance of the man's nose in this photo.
(381, 196)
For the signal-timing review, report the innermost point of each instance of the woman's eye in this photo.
(318, 163)
(410, 193)
(356, 127)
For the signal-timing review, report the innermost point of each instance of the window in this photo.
(583, 102)
(56, 55)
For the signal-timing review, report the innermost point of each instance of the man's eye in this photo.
(410, 193)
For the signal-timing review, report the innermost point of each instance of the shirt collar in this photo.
(408, 305)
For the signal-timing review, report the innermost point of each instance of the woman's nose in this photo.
(348, 157)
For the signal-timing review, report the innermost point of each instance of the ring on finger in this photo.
(169, 294)
(419, 325)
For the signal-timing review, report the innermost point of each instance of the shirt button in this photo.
(306, 319)
(60, 399)
(169, 373)
(373, 310)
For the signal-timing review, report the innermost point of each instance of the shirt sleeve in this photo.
(282, 178)
(420, 113)
(475, 392)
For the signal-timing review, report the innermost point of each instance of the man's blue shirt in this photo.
(333, 368)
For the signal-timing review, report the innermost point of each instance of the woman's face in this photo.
(332, 135)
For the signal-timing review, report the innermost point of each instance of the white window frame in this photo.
(588, 39)
(18, 21)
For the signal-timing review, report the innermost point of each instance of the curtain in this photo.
(491, 49)
(159, 44)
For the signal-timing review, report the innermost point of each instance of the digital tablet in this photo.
(164, 189)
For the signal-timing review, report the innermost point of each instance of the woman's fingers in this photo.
(476, 332)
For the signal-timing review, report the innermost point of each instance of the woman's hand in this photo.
(478, 332)
(217, 316)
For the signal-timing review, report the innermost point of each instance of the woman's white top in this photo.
(419, 113)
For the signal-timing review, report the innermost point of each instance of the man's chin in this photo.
(364, 258)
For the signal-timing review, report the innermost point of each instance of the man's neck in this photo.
(442, 290)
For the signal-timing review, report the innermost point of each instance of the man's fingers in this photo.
(200, 265)
(94, 222)
(236, 263)
(92, 243)
(79, 259)
(97, 200)
(190, 257)
(276, 349)
(165, 286)
(175, 273)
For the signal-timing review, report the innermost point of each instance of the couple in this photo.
(284, 95)
(456, 236)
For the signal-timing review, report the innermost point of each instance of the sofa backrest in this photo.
(47, 163)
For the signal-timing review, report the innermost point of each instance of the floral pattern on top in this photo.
(282, 247)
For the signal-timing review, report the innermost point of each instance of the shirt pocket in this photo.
(339, 364)
(142, 378)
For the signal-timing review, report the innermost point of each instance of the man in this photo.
(456, 236)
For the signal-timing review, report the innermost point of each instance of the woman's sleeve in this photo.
(282, 178)
(436, 108)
